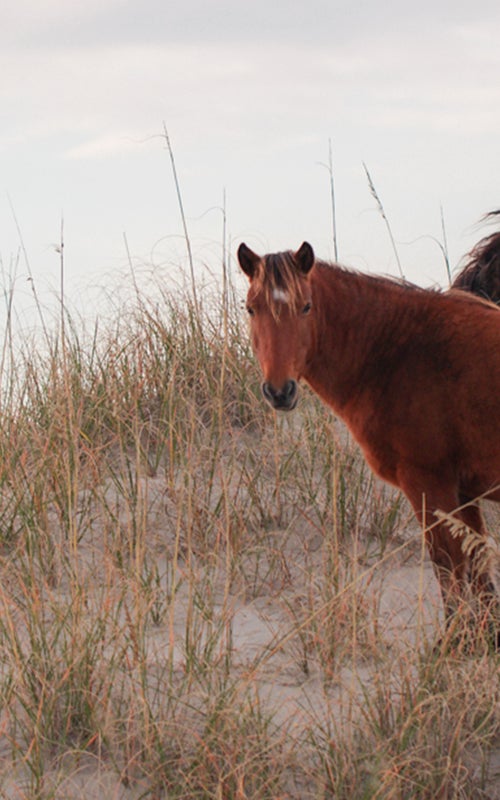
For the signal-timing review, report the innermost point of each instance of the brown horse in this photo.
(414, 373)
(481, 274)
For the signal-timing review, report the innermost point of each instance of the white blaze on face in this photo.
(280, 296)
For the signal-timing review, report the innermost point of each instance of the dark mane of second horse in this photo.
(481, 274)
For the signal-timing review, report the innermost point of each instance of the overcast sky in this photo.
(250, 93)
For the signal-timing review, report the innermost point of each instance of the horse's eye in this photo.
(307, 308)
(250, 311)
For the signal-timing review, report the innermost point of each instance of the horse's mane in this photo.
(374, 279)
(479, 279)
(481, 273)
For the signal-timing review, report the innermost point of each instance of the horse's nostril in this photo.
(289, 389)
(268, 391)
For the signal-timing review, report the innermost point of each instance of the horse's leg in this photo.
(427, 494)
(480, 575)
(479, 569)
(455, 570)
(451, 565)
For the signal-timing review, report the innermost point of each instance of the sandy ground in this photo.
(401, 586)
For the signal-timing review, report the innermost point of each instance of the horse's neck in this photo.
(354, 320)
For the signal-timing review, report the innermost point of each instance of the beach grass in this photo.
(202, 599)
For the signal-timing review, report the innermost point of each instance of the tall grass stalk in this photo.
(375, 195)
(445, 245)
(183, 216)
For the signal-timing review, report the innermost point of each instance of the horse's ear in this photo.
(305, 257)
(248, 260)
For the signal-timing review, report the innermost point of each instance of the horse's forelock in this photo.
(279, 277)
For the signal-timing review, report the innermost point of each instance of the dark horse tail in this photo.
(481, 274)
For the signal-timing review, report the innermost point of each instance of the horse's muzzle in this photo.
(284, 399)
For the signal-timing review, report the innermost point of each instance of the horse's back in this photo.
(440, 404)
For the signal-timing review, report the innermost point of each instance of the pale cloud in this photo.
(106, 146)
(321, 23)
(105, 91)
(35, 22)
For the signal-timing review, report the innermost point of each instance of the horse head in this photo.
(281, 310)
